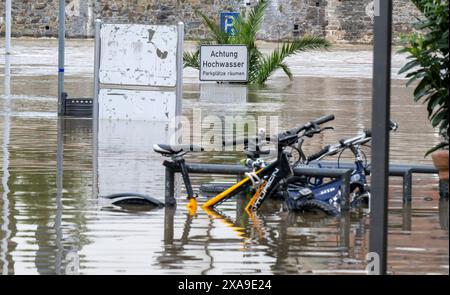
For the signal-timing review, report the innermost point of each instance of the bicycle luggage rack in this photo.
(398, 170)
(227, 169)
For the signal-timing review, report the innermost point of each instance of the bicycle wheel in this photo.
(314, 205)
(292, 183)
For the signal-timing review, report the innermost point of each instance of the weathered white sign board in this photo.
(145, 105)
(137, 92)
(224, 63)
(140, 55)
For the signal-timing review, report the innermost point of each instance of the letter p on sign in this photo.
(226, 21)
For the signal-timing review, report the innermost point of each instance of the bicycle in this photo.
(265, 178)
(324, 192)
(330, 191)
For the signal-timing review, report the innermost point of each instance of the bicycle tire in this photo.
(215, 187)
(314, 204)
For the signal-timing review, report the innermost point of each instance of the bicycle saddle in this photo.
(169, 149)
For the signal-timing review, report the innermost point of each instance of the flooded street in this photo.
(51, 223)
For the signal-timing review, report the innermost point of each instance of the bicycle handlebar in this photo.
(324, 119)
(290, 132)
(310, 124)
(393, 126)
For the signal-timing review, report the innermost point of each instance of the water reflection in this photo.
(224, 94)
(443, 213)
(5, 257)
(59, 194)
(124, 159)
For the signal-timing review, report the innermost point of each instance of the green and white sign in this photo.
(228, 63)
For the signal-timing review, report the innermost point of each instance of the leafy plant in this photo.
(429, 61)
(244, 33)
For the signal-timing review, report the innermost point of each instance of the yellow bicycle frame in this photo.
(227, 193)
(252, 201)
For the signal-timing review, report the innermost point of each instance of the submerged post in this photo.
(169, 191)
(380, 134)
(61, 49)
(95, 191)
(8, 27)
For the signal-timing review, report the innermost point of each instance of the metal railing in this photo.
(397, 170)
(239, 170)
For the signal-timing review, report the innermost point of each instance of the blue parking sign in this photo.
(226, 21)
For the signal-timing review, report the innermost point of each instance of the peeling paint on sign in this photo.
(73, 8)
(141, 55)
(145, 105)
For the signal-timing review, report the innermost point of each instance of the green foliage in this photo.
(428, 64)
(245, 31)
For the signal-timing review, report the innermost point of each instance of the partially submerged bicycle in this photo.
(323, 191)
(265, 177)
(269, 179)
(329, 191)
(269, 176)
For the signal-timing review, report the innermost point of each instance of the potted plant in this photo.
(428, 67)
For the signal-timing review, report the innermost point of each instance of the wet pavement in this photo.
(52, 223)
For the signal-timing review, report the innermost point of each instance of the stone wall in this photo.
(348, 21)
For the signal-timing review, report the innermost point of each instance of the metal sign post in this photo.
(8, 27)
(61, 36)
(180, 66)
(98, 25)
(380, 133)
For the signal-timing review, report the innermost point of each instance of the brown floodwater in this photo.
(51, 223)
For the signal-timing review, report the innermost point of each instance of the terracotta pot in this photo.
(440, 160)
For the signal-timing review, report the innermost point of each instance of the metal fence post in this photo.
(380, 133)
(406, 217)
(407, 186)
(170, 187)
(8, 27)
(345, 190)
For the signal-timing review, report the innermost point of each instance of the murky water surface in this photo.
(52, 223)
